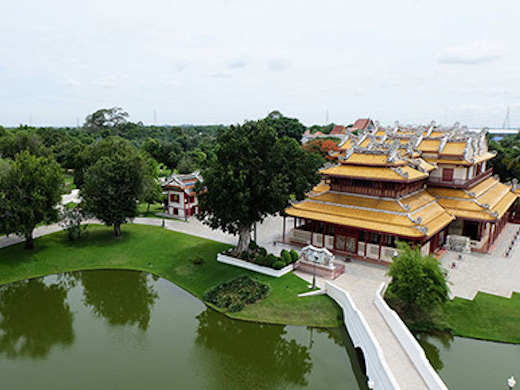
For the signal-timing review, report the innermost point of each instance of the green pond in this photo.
(471, 364)
(130, 330)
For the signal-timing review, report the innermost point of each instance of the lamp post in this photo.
(314, 271)
(511, 382)
(163, 213)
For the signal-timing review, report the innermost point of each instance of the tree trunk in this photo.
(29, 241)
(147, 209)
(117, 231)
(244, 237)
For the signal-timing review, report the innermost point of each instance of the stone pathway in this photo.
(362, 280)
(491, 273)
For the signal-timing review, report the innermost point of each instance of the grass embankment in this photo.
(167, 254)
(487, 317)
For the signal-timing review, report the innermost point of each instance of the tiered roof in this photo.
(405, 155)
(486, 201)
(455, 145)
(415, 216)
(184, 183)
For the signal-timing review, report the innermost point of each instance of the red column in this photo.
(312, 231)
(323, 235)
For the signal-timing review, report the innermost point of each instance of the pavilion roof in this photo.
(486, 201)
(398, 174)
(415, 216)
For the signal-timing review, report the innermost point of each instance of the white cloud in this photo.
(478, 52)
(277, 63)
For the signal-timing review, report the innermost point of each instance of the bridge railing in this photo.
(408, 342)
(378, 372)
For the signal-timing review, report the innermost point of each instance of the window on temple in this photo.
(174, 198)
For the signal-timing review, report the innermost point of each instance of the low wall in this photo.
(408, 342)
(378, 372)
(254, 267)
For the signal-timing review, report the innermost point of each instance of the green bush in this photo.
(270, 260)
(260, 260)
(234, 307)
(278, 264)
(197, 260)
(244, 255)
(262, 251)
(253, 245)
(286, 256)
(294, 256)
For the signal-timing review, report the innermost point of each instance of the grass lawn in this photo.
(487, 317)
(68, 183)
(154, 209)
(168, 254)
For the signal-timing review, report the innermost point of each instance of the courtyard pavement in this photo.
(491, 273)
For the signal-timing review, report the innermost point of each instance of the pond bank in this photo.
(167, 254)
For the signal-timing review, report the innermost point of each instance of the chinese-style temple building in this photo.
(182, 199)
(417, 185)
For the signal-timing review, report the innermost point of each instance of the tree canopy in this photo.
(418, 283)
(30, 189)
(284, 126)
(252, 176)
(114, 182)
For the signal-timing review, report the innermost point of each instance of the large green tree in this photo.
(418, 284)
(284, 126)
(114, 182)
(30, 189)
(106, 121)
(254, 175)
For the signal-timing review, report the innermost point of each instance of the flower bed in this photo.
(257, 259)
(236, 294)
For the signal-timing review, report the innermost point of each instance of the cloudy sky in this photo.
(224, 61)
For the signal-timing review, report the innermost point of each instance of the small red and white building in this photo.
(182, 199)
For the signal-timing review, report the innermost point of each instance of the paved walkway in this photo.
(492, 273)
(362, 280)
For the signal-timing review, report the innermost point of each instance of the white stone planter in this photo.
(254, 267)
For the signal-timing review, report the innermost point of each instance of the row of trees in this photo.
(116, 175)
(252, 173)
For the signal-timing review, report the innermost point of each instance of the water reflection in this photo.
(34, 317)
(121, 297)
(244, 345)
(432, 351)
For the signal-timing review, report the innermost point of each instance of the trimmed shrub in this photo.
(197, 260)
(244, 255)
(278, 264)
(253, 245)
(294, 256)
(262, 251)
(260, 260)
(270, 260)
(286, 256)
(235, 307)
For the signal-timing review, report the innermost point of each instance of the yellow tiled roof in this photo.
(434, 217)
(461, 204)
(454, 148)
(375, 173)
(429, 145)
(484, 157)
(371, 159)
(321, 188)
